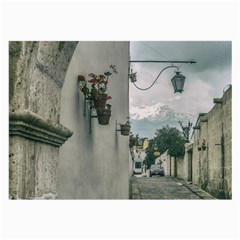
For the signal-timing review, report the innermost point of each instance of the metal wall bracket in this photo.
(89, 100)
(85, 104)
(117, 130)
(90, 119)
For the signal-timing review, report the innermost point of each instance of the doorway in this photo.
(190, 165)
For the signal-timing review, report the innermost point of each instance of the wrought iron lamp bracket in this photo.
(179, 77)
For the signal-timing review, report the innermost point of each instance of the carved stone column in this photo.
(37, 71)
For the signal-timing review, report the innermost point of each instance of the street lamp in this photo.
(177, 81)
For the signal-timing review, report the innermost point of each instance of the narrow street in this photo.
(164, 188)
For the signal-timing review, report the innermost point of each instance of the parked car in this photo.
(156, 169)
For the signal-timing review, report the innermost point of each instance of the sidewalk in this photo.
(193, 188)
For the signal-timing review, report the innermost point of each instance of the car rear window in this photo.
(155, 166)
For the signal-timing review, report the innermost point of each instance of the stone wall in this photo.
(95, 165)
(184, 164)
(36, 75)
(211, 165)
(167, 162)
(181, 167)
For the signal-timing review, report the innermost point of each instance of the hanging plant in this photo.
(97, 90)
(125, 128)
(103, 116)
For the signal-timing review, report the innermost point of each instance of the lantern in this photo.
(178, 82)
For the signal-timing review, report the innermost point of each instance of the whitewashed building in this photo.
(54, 150)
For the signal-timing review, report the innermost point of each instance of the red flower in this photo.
(105, 82)
(93, 81)
(109, 97)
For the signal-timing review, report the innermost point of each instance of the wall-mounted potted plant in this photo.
(104, 114)
(98, 89)
(95, 90)
(125, 128)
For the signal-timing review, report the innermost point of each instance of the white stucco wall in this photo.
(95, 166)
(139, 154)
(165, 159)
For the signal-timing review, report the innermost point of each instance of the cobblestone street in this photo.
(164, 188)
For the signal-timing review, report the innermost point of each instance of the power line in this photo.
(154, 50)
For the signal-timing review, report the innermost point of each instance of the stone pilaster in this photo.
(37, 71)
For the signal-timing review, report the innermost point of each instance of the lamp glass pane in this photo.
(173, 83)
(178, 82)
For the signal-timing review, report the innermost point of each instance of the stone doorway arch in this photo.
(36, 75)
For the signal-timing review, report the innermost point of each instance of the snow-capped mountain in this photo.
(148, 112)
(158, 111)
(146, 119)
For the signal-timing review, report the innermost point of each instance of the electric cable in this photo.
(154, 50)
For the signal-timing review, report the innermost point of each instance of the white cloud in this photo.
(204, 80)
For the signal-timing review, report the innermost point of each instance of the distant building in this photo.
(138, 154)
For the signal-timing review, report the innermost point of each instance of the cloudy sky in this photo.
(204, 81)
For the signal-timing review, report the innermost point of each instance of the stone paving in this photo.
(165, 188)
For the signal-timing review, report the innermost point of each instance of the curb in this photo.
(196, 190)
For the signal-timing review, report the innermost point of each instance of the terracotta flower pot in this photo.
(125, 129)
(103, 116)
(100, 101)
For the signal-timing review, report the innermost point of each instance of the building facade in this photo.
(46, 110)
(94, 163)
(207, 161)
(212, 149)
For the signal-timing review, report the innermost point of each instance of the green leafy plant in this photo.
(166, 138)
(127, 123)
(95, 87)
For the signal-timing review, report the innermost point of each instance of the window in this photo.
(138, 165)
